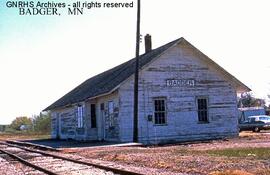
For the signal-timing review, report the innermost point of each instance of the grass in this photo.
(23, 135)
(257, 153)
(260, 153)
(230, 172)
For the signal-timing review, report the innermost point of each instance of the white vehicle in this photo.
(255, 123)
(263, 118)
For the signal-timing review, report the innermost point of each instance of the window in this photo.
(160, 111)
(110, 106)
(110, 111)
(202, 109)
(80, 113)
(93, 116)
(252, 120)
(102, 107)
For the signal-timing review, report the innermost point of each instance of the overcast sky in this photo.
(44, 57)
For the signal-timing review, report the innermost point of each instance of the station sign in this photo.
(180, 82)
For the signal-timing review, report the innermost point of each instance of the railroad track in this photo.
(54, 164)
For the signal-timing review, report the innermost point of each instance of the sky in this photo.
(44, 57)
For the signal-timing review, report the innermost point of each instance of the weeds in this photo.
(257, 153)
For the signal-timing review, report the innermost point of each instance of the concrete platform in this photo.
(78, 144)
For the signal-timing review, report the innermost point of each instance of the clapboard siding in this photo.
(105, 132)
(67, 123)
(180, 62)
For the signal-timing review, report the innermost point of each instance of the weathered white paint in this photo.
(103, 118)
(67, 122)
(180, 62)
(68, 125)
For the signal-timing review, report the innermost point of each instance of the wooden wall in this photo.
(68, 121)
(65, 124)
(180, 62)
(105, 131)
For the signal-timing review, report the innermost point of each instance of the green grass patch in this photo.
(22, 135)
(258, 153)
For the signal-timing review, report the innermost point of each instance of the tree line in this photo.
(248, 100)
(38, 123)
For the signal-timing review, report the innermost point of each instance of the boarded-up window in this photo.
(110, 111)
(80, 114)
(93, 116)
(160, 111)
(202, 109)
(110, 107)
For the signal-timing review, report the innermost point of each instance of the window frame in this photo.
(165, 111)
(207, 109)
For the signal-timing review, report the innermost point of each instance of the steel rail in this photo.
(114, 170)
(40, 147)
(28, 163)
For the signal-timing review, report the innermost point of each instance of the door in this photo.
(110, 131)
(93, 116)
(102, 121)
(58, 126)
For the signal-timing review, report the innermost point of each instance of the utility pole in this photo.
(136, 78)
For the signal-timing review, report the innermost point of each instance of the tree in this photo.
(3, 128)
(248, 100)
(42, 123)
(19, 121)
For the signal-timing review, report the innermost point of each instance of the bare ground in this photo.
(22, 136)
(191, 158)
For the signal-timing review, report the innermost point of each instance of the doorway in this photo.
(102, 121)
(58, 126)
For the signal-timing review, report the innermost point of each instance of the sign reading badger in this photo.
(180, 82)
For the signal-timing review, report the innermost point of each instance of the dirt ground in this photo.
(22, 136)
(249, 154)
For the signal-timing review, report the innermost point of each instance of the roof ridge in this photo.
(105, 81)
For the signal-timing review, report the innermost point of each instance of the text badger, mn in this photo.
(38, 8)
